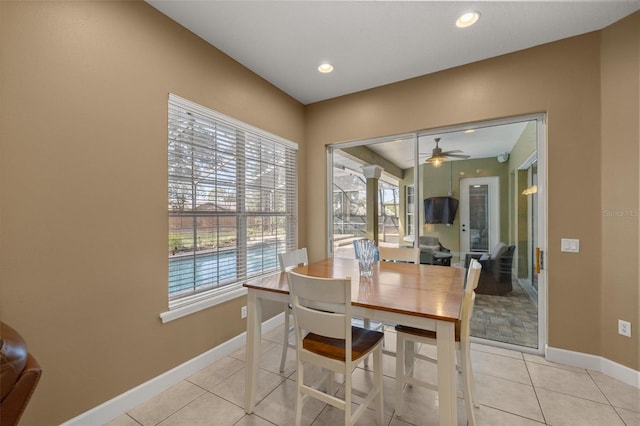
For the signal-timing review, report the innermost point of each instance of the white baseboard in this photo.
(119, 405)
(594, 362)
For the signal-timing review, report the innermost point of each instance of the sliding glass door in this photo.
(494, 173)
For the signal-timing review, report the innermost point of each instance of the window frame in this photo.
(248, 144)
(410, 214)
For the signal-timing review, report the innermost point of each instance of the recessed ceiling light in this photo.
(469, 131)
(467, 19)
(325, 68)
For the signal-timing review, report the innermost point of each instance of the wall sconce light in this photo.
(530, 190)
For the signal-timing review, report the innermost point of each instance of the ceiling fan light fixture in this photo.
(438, 156)
(467, 19)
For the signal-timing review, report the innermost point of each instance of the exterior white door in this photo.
(479, 214)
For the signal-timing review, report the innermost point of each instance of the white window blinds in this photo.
(232, 201)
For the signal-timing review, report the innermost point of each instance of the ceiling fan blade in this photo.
(438, 155)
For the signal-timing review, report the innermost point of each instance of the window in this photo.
(388, 221)
(232, 202)
(410, 209)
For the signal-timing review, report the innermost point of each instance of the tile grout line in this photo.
(586, 372)
(535, 391)
(606, 397)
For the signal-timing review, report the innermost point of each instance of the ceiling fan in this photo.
(438, 156)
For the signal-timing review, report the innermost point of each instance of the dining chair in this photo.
(399, 254)
(326, 338)
(289, 260)
(406, 354)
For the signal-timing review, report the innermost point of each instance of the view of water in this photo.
(218, 268)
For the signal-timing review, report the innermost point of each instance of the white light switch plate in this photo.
(570, 245)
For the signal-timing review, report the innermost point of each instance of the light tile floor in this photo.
(513, 389)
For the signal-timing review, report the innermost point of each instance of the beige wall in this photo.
(561, 79)
(620, 214)
(83, 116)
(83, 181)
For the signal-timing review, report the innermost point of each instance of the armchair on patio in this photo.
(432, 252)
(495, 277)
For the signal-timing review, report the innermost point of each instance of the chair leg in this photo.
(467, 380)
(366, 322)
(472, 381)
(347, 396)
(331, 380)
(409, 357)
(377, 368)
(299, 399)
(400, 371)
(285, 342)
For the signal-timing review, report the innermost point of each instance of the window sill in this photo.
(212, 300)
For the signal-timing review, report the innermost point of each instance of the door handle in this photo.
(539, 260)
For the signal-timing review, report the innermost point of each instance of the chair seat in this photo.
(429, 334)
(363, 340)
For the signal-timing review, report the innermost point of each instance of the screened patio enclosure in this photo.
(350, 205)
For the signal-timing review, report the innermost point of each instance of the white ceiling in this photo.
(486, 141)
(373, 43)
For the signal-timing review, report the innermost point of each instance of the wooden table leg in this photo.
(254, 333)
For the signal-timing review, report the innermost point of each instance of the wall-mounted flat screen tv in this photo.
(440, 210)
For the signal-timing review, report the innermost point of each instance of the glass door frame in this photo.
(542, 234)
(541, 210)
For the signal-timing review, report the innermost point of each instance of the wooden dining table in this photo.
(423, 296)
